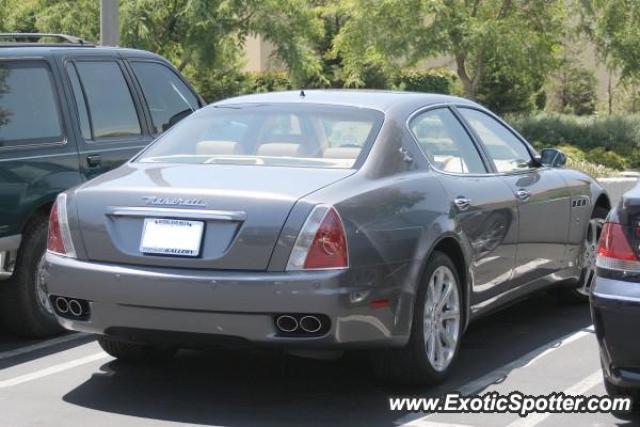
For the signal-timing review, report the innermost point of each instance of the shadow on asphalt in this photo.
(242, 388)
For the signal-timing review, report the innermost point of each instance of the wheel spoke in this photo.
(450, 315)
(431, 348)
(444, 297)
(447, 337)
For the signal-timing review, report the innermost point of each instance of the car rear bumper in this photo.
(615, 308)
(137, 302)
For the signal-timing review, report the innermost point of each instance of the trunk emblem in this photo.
(173, 201)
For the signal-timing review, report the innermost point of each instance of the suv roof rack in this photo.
(36, 39)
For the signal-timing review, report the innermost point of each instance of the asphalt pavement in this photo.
(537, 346)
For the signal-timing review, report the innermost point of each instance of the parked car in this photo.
(615, 300)
(69, 111)
(320, 220)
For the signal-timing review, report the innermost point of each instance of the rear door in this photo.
(543, 199)
(112, 128)
(482, 204)
(37, 159)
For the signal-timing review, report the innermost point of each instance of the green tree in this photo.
(525, 34)
(204, 38)
(613, 25)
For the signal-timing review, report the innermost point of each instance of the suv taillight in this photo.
(322, 242)
(59, 237)
(615, 251)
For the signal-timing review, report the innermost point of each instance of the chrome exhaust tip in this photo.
(286, 323)
(75, 308)
(62, 305)
(310, 324)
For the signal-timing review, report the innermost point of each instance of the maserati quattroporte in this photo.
(322, 220)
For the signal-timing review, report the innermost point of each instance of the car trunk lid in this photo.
(241, 210)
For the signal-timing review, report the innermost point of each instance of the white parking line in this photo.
(41, 345)
(52, 370)
(579, 388)
(492, 377)
(575, 337)
(501, 372)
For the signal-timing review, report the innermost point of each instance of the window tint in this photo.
(109, 100)
(28, 106)
(169, 99)
(446, 143)
(311, 136)
(508, 152)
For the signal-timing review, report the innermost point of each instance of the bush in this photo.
(612, 140)
(432, 81)
(215, 87)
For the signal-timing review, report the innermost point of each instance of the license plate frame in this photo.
(166, 237)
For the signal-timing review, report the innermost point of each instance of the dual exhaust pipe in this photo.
(70, 307)
(301, 324)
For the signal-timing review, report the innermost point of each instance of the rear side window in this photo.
(106, 99)
(168, 98)
(446, 143)
(507, 152)
(297, 135)
(29, 111)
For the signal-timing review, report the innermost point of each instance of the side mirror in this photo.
(553, 158)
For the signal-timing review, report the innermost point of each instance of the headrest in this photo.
(219, 147)
(341, 152)
(280, 149)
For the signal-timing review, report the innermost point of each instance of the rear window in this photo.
(283, 135)
(28, 105)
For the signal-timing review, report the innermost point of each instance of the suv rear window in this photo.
(28, 105)
(169, 99)
(314, 136)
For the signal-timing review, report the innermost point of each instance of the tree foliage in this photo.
(613, 25)
(525, 34)
(196, 35)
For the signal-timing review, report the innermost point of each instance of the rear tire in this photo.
(24, 306)
(134, 352)
(416, 363)
(617, 391)
(579, 293)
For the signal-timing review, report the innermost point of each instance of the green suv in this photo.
(69, 111)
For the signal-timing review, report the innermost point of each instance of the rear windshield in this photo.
(270, 135)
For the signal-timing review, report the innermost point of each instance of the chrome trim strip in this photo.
(216, 215)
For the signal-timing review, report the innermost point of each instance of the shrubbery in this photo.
(433, 81)
(216, 87)
(613, 141)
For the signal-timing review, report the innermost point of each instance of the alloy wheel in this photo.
(589, 254)
(441, 318)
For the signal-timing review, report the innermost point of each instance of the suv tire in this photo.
(21, 309)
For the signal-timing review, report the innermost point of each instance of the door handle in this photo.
(94, 161)
(523, 195)
(462, 203)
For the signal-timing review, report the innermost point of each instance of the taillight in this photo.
(322, 242)
(615, 251)
(59, 237)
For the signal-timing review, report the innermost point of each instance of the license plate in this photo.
(174, 237)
